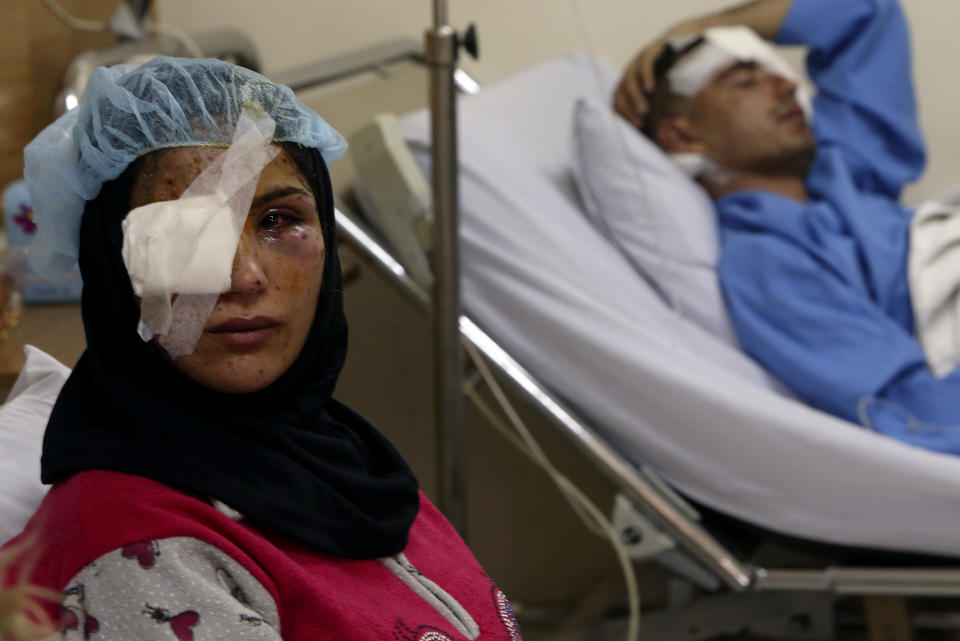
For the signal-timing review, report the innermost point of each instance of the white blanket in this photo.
(934, 273)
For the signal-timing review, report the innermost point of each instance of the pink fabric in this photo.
(317, 595)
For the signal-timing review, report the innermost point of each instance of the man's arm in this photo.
(763, 16)
(860, 61)
(823, 337)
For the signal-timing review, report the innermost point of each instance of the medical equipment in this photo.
(394, 194)
(131, 26)
(442, 44)
(225, 44)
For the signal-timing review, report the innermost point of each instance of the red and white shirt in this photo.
(136, 559)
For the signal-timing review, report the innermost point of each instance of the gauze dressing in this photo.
(723, 46)
(186, 247)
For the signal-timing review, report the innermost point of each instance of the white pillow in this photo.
(23, 419)
(656, 215)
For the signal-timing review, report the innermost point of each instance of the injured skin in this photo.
(259, 326)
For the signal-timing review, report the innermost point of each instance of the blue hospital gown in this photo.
(818, 291)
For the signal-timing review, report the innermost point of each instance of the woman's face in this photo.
(259, 326)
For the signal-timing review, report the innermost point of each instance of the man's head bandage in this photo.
(187, 246)
(701, 57)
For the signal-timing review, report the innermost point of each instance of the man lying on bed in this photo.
(814, 241)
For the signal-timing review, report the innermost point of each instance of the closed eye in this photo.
(741, 74)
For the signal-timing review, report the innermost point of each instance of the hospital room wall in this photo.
(517, 33)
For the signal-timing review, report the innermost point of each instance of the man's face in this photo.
(749, 121)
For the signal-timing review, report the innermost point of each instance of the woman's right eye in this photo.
(278, 219)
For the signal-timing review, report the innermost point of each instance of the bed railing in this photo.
(329, 70)
(644, 487)
(663, 509)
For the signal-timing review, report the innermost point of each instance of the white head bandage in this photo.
(186, 247)
(722, 47)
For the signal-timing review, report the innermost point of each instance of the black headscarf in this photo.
(289, 457)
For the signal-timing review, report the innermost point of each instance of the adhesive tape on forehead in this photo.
(723, 46)
(186, 247)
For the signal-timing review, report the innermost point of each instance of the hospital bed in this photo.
(657, 397)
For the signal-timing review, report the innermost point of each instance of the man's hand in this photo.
(630, 100)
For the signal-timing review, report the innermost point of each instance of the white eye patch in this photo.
(179, 245)
(186, 247)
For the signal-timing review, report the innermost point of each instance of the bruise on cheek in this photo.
(299, 274)
(311, 251)
(303, 242)
(307, 235)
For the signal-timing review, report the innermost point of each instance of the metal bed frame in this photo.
(668, 514)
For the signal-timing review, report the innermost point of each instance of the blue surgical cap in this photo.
(132, 110)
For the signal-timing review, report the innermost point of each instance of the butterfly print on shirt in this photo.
(73, 613)
(70, 620)
(182, 624)
(145, 552)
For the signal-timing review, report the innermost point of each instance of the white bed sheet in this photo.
(543, 283)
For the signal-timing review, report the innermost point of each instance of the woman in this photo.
(223, 493)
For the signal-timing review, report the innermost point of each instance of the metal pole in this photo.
(440, 14)
(441, 50)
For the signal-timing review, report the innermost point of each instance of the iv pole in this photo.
(442, 44)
